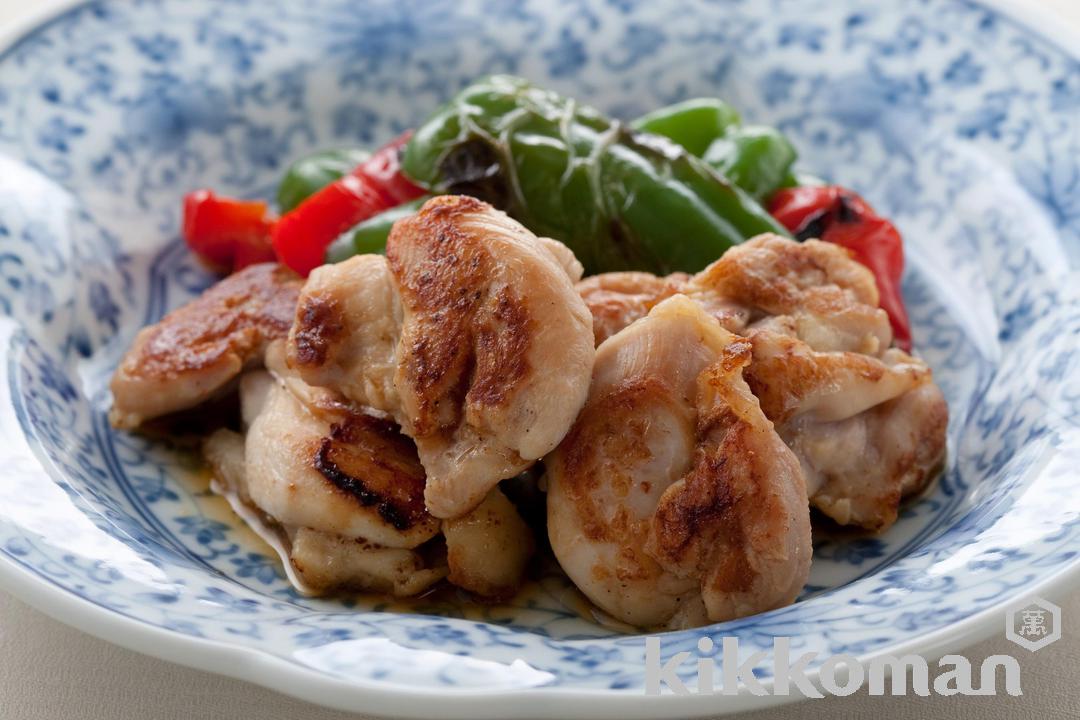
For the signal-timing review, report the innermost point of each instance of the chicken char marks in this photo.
(469, 333)
(368, 458)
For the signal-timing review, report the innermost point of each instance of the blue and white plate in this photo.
(952, 117)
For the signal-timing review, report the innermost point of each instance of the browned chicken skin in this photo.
(672, 501)
(192, 353)
(866, 420)
(344, 491)
(617, 299)
(469, 333)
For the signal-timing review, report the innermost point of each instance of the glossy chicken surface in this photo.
(345, 491)
(865, 419)
(469, 334)
(672, 501)
(616, 299)
(194, 352)
(686, 424)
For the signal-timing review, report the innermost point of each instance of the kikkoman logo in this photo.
(1033, 624)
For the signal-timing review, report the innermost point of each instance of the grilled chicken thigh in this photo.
(348, 323)
(469, 333)
(617, 299)
(345, 489)
(818, 291)
(356, 476)
(672, 501)
(197, 350)
(321, 561)
(866, 420)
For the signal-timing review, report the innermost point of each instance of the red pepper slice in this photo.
(302, 235)
(384, 169)
(253, 250)
(232, 234)
(227, 234)
(839, 216)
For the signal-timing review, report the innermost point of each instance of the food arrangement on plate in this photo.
(691, 350)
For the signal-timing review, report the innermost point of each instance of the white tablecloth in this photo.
(49, 671)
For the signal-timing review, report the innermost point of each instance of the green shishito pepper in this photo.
(619, 198)
(370, 235)
(756, 158)
(314, 172)
(694, 124)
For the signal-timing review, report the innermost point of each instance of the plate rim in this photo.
(390, 700)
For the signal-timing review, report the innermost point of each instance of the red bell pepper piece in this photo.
(253, 250)
(384, 169)
(228, 234)
(839, 216)
(302, 235)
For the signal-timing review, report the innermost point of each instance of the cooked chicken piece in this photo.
(469, 334)
(327, 562)
(791, 379)
(861, 467)
(672, 500)
(865, 420)
(340, 493)
(764, 277)
(316, 561)
(194, 352)
(358, 477)
(617, 299)
(831, 299)
(488, 547)
(348, 323)
(868, 431)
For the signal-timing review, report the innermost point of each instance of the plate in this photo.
(952, 117)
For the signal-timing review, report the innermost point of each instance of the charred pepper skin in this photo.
(621, 199)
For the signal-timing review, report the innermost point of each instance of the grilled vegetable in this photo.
(302, 235)
(694, 124)
(838, 215)
(755, 157)
(370, 235)
(227, 234)
(313, 172)
(619, 198)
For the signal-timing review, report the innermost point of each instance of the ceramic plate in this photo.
(951, 117)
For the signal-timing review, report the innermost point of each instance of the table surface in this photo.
(48, 670)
